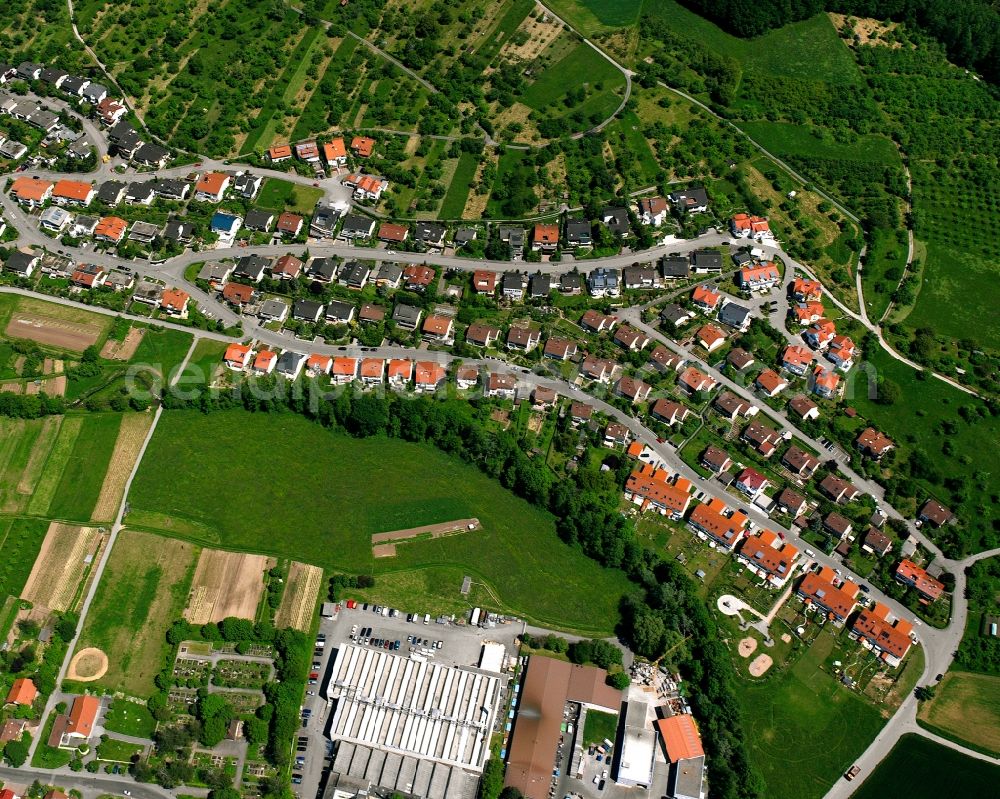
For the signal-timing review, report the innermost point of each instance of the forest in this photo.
(969, 29)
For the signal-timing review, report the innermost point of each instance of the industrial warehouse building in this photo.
(410, 725)
(634, 759)
(548, 685)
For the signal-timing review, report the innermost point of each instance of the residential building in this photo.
(264, 362)
(429, 235)
(148, 292)
(151, 155)
(578, 233)
(806, 290)
(570, 283)
(763, 438)
(545, 238)
(762, 277)
(888, 637)
(838, 526)
(211, 187)
(335, 153)
(110, 229)
(694, 381)
(174, 302)
(934, 513)
(418, 278)
(837, 489)
(466, 377)
(825, 590)
(143, 232)
(633, 389)
(669, 412)
(22, 263)
(596, 322)
(716, 460)
(705, 298)
(796, 359)
(406, 316)
(344, 370)
(710, 337)
(171, 189)
(247, 185)
(806, 313)
(54, 219)
(356, 227)
(484, 282)
(251, 268)
(73, 192)
(639, 278)
(439, 328)
(876, 542)
(524, 339)
(580, 412)
(732, 406)
(273, 311)
(392, 233)
(428, 376)
(675, 268)
(653, 211)
(543, 397)
(690, 201)
(290, 364)
(740, 359)
(31, 191)
(803, 407)
(561, 349)
(770, 383)
(399, 372)
(367, 187)
(237, 356)
(539, 286)
(630, 338)
(289, 224)
(599, 369)
(226, 225)
(825, 382)
(873, 443)
(675, 315)
(501, 385)
(766, 553)
(307, 151)
(513, 285)
(339, 313)
(324, 220)
(371, 313)
(112, 192)
(705, 262)
(799, 462)
(735, 316)
(354, 275)
(307, 311)
(909, 573)
(317, 365)
(279, 153)
(649, 488)
(751, 482)
(362, 146)
(371, 371)
(820, 334)
(481, 334)
(841, 352)
(603, 282)
(140, 193)
(791, 503)
(664, 360)
(716, 521)
(388, 275)
(616, 220)
(744, 226)
(323, 270)
(22, 692)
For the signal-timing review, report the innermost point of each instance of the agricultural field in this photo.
(917, 768)
(56, 327)
(143, 590)
(226, 584)
(20, 541)
(966, 708)
(298, 602)
(64, 566)
(831, 724)
(24, 450)
(332, 502)
(83, 472)
(591, 17)
(131, 434)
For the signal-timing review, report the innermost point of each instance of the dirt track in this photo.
(435, 530)
(54, 332)
(125, 349)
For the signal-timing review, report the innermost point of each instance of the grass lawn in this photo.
(83, 475)
(143, 590)
(552, 83)
(48, 756)
(599, 726)
(117, 751)
(317, 497)
(917, 768)
(885, 258)
(597, 16)
(966, 708)
(785, 138)
(281, 195)
(957, 296)
(20, 540)
(830, 725)
(458, 192)
(162, 348)
(129, 718)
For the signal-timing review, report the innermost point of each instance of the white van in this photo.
(427, 618)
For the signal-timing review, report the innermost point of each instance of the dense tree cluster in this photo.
(980, 651)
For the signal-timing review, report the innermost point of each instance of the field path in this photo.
(98, 572)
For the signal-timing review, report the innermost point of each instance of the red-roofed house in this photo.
(823, 589)
(705, 297)
(344, 370)
(428, 375)
(648, 488)
(307, 151)
(653, 211)
(399, 372)
(631, 338)
(633, 389)
(545, 238)
(873, 443)
(211, 187)
(237, 294)
(438, 327)
(796, 359)
(716, 521)
(289, 224)
(31, 191)
(335, 153)
(694, 380)
(770, 382)
(758, 278)
(751, 482)
(710, 337)
(278, 153)
(236, 356)
(484, 282)
(887, 636)
(806, 290)
(745, 226)
(265, 362)
(111, 229)
(82, 716)
(174, 302)
(909, 573)
(371, 371)
(669, 412)
(22, 692)
(841, 352)
(596, 322)
(362, 146)
(319, 365)
(769, 554)
(820, 334)
(808, 312)
(825, 382)
(73, 192)
(287, 267)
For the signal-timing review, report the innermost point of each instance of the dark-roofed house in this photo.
(675, 267)
(837, 525)
(715, 459)
(251, 267)
(736, 316)
(690, 201)
(578, 233)
(112, 192)
(151, 155)
(171, 189)
(790, 503)
(406, 316)
(733, 407)
(837, 489)
(307, 310)
(675, 315)
(324, 220)
(322, 269)
(933, 512)
(763, 438)
(706, 261)
(616, 220)
(429, 235)
(799, 462)
(571, 283)
(740, 359)
(356, 227)
(877, 542)
(259, 220)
